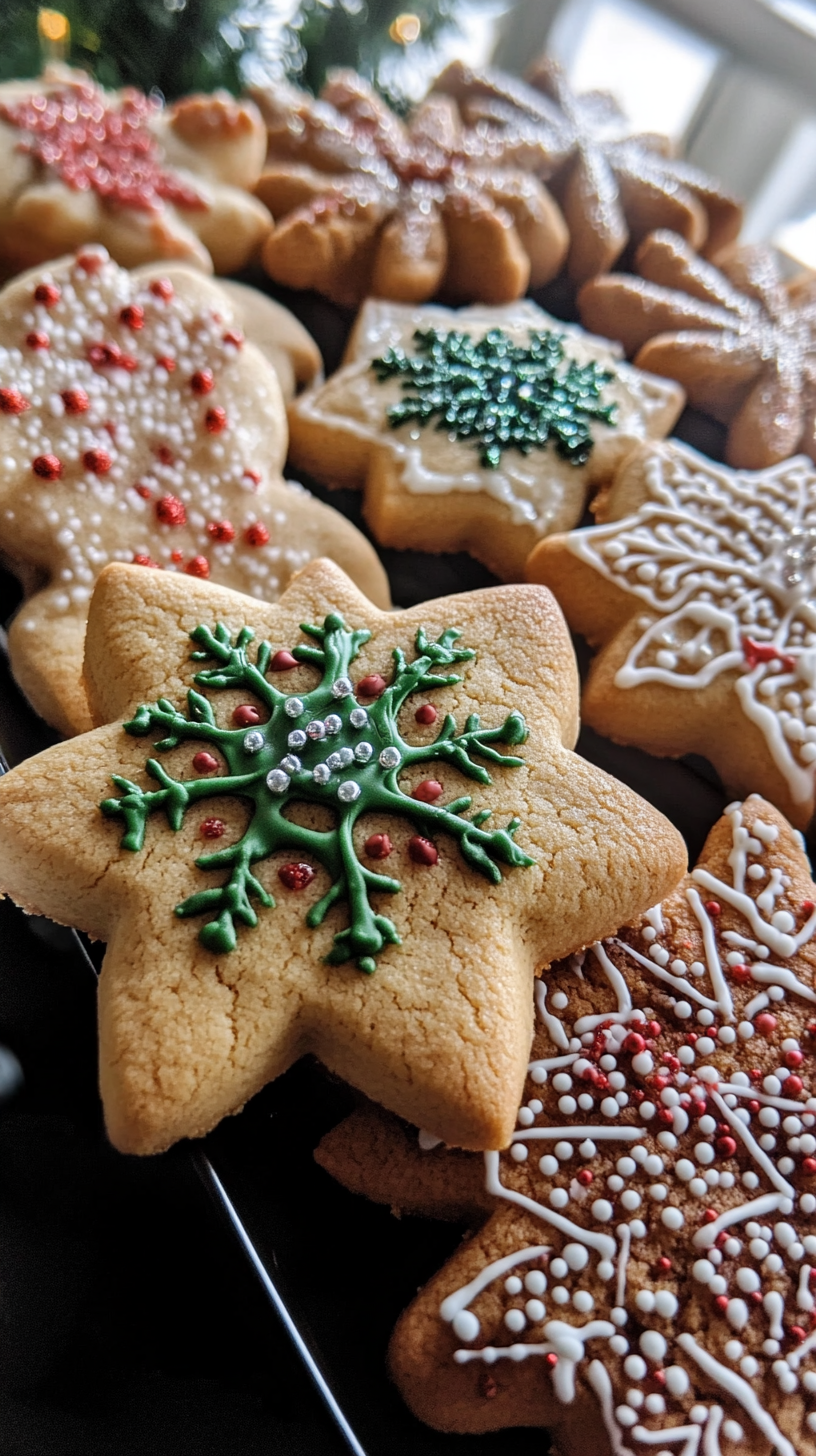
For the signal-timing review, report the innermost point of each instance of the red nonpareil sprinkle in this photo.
(212, 828)
(132, 316)
(171, 511)
(726, 1147)
(47, 467)
(165, 362)
(421, 851)
(740, 974)
(634, 1043)
(699, 1107)
(807, 907)
(709, 1215)
(253, 475)
(793, 1058)
(176, 556)
(12, 402)
(76, 401)
(97, 461)
(658, 1378)
(753, 1104)
(105, 356)
(428, 791)
(755, 1296)
(722, 1302)
(164, 455)
(712, 907)
(37, 339)
(585, 1177)
(809, 1166)
(245, 715)
(765, 1024)
(221, 530)
(48, 294)
(215, 420)
(296, 876)
(143, 490)
(205, 762)
(128, 362)
(235, 338)
(92, 261)
(371, 686)
(793, 1086)
(692, 1038)
(664, 1264)
(282, 661)
(378, 846)
(198, 566)
(256, 534)
(722, 1238)
(162, 288)
(426, 713)
(655, 1029)
(755, 1074)
(551, 1359)
(797, 1333)
(664, 1114)
(141, 559)
(202, 381)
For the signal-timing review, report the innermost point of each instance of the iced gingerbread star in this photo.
(367, 204)
(699, 587)
(645, 1277)
(319, 827)
(82, 165)
(136, 425)
(613, 186)
(477, 430)
(741, 340)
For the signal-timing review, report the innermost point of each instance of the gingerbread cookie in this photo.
(613, 186)
(81, 165)
(699, 588)
(137, 426)
(740, 340)
(360, 839)
(480, 430)
(366, 204)
(644, 1281)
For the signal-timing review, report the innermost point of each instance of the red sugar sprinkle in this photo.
(551, 1359)
(755, 1074)
(793, 1085)
(282, 661)
(162, 288)
(204, 762)
(793, 1058)
(740, 974)
(164, 455)
(38, 340)
(371, 686)
(90, 262)
(245, 715)
(76, 401)
(709, 1215)
(48, 467)
(807, 907)
(234, 337)
(665, 1115)
(798, 1333)
(176, 555)
(421, 851)
(655, 1028)
(809, 1166)
(215, 420)
(47, 293)
(585, 1177)
(634, 1043)
(198, 566)
(253, 475)
(296, 876)
(722, 1302)
(756, 1296)
(664, 1264)
(140, 559)
(256, 534)
(132, 316)
(753, 1105)
(12, 402)
(212, 828)
(378, 846)
(143, 490)
(765, 1024)
(202, 382)
(104, 356)
(97, 461)
(428, 791)
(426, 713)
(170, 511)
(221, 530)
(726, 1147)
(712, 907)
(165, 362)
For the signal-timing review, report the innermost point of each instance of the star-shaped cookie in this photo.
(136, 425)
(82, 165)
(699, 587)
(644, 1279)
(481, 430)
(613, 186)
(396, 846)
(741, 340)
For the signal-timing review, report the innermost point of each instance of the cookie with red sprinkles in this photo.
(136, 425)
(646, 1275)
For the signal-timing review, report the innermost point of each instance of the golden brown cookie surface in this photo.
(427, 846)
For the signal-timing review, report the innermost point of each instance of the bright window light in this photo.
(656, 69)
(801, 13)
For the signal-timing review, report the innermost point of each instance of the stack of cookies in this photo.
(304, 822)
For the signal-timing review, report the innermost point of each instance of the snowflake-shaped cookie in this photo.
(645, 1278)
(366, 204)
(438, 480)
(740, 340)
(136, 425)
(700, 587)
(309, 812)
(81, 165)
(613, 186)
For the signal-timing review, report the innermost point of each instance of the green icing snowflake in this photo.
(318, 748)
(500, 395)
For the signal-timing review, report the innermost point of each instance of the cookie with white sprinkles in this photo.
(137, 425)
(646, 1276)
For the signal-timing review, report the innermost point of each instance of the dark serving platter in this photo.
(335, 1269)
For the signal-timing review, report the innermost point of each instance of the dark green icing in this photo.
(499, 394)
(269, 829)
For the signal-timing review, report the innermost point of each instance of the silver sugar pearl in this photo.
(291, 763)
(321, 774)
(342, 687)
(316, 730)
(333, 723)
(348, 792)
(293, 707)
(358, 717)
(346, 757)
(390, 758)
(297, 738)
(277, 781)
(334, 761)
(363, 752)
(253, 741)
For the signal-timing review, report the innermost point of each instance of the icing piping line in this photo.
(767, 1203)
(739, 1389)
(598, 1377)
(552, 1023)
(676, 982)
(619, 1133)
(721, 991)
(614, 978)
(461, 1298)
(690, 1434)
(625, 1235)
(604, 1244)
(759, 1156)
